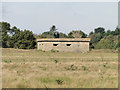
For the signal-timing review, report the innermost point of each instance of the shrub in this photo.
(7, 61)
(107, 42)
(60, 82)
(71, 67)
(56, 61)
(40, 50)
(52, 50)
(84, 68)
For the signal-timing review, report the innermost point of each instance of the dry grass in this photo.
(38, 69)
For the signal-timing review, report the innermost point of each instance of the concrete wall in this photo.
(62, 46)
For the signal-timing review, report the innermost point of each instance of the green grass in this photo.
(38, 69)
(7, 61)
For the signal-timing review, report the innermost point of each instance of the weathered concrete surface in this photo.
(64, 45)
(63, 39)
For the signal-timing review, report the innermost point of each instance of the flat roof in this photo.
(63, 40)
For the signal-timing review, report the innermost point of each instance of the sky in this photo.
(66, 16)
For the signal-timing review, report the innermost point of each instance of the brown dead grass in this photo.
(37, 69)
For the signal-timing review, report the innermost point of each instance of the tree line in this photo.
(13, 37)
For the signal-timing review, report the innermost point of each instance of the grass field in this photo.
(38, 69)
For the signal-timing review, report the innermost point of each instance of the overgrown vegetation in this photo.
(52, 50)
(16, 38)
(13, 37)
(7, 61)
(34, 69)
(71, 67)
(105, 40)
(84, 68)
(59, 82)
(56, 61)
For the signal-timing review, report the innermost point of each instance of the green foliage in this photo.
(100, 30)
(108, 33)
(59, 82)
(116, 32)
(70, 35)
(104, 65)
(50, 34)
(24, 40)
(7, 61)
(107, 42)
(84, 68)
(117, 45)
(62, 35)
(53, 28)
(56, 61)
(91, 33)
(95, 38)
(52, 50)
(103, 40)
(4, 29)
(71, 67)
(40, 50)
(14, 38)
(47, 35)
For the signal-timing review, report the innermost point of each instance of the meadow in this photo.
(39, 69)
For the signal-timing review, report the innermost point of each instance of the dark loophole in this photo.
(55, 44)
(68, 44)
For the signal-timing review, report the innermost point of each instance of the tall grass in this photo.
(37, 69)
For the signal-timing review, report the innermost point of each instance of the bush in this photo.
(7, 61)
(59, 82)
(71, 67)
(107, 42)
(52, 50)
(84, 68)
(56, 61)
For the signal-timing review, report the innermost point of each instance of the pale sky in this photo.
(66, 16)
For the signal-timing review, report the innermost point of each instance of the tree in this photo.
(50, 34)
(24, 40)
(15, 38)
(100, 30)
(108, 33)
(77, 34)
(70, 35)
(91, 33)
(47, 35)
(116, 32)
(56, 34)
(62, 35)
(96, 36)
(4, 28)
(107, 42)
(53, 28)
